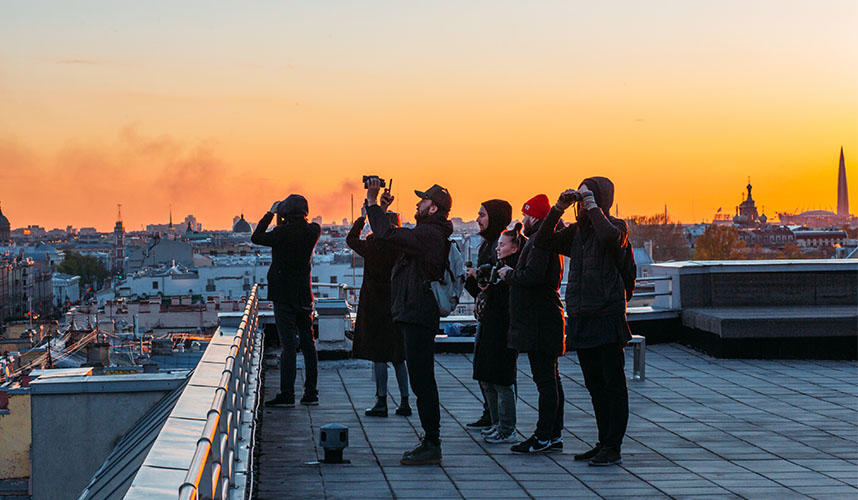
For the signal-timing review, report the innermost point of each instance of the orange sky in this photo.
(224, 111)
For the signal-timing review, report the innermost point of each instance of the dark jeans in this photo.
(295, 324)
(543, 367)
(605, 378)
(420, 356)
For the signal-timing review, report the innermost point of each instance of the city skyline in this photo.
(222, 111)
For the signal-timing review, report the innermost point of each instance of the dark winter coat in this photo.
(292, 245)
(422, 258)
(594, 287)
(535, 311)
(494, 360)
(376, 337)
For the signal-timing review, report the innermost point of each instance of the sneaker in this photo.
(404, 410)
(488, 431)
(606, 456)
(556, 444)
(531, 445)
(482, 423)
(310, 399)
(500, 437)
(587, 455)
(281, 401)
(379, 410)
(426, 453)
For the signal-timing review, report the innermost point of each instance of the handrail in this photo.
(210, 471)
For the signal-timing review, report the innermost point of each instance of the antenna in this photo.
(119, 211)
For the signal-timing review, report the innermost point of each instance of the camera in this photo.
(487, 275)
(571, 198)
(368, 178)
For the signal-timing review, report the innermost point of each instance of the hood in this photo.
(500, 215)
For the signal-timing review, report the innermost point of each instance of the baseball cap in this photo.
(438, 195)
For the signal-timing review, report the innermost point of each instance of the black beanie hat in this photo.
(293, 205)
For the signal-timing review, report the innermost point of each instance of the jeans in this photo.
(420, 356)
(543, 367)
(604, 373)
(295, 326)
(380, 371)
(501, 403)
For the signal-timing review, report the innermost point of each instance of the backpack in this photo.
(448, 289)
(624, 258)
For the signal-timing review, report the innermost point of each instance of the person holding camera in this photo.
(292, 242)
(492, 218)
(595, 306)
(536, 326)
(376, 337)
(423, 252)
(494, 361)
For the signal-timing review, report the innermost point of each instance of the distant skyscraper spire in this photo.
(842, 192)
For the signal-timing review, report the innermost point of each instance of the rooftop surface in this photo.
(700, 427)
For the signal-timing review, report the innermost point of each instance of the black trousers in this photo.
(295, 326)
(543, 367)
(420, 356)
(604, 373)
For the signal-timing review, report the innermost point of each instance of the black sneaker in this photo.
(483, 422)
(556, 444)
(426, 453)
(281, 401)
(310, 399)
(531, 445)
(404, 410)
(606, 456)
(587, 455)
(379, 410)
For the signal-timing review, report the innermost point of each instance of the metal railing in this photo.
(211, 471)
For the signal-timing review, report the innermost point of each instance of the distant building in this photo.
(820, 239)
(25, 285)
(241, 226)
(118, 265)
(66, 289)
(5, 228)
(746, 212)
(160, 251)
(827, 218)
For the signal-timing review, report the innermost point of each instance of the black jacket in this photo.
(376, 337)
(500, 214)
(594, 287)
(535, 311)
(494, 360)
(292, 245)
(422, 258)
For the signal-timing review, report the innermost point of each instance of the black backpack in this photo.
(624, 258)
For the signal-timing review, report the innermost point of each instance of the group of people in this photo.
(515, 284)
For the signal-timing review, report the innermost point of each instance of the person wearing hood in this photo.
(376, 337)
(423, 252)
(292, 242)
(536, 326)
(595, 305)
(492, 218)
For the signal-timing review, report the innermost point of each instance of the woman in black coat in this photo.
(494, 360)
(376, 336)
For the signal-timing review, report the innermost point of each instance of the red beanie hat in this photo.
(537, 206)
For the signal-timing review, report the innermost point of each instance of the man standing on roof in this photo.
(423, 258)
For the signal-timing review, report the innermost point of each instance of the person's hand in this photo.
(584, 190)
(363, 211)
(274, 207)
(566, 199)
(372, 188)
(470, 273)
(386, 199)
(502, 272)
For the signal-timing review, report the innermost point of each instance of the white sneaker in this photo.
(488, 431)
(499, 437)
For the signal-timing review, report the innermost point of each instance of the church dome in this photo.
(4, 222)
(241, 226)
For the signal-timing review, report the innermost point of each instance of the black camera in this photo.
(487, 274)
(572, 197)
(368, 178)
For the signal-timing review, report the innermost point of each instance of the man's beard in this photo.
(421, 214)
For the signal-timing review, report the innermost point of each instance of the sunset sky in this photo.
(219, 108)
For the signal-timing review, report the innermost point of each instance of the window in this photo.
(315, 279)
(154, 285)
(333, 279)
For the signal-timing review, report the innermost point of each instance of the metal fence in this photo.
(211, 471)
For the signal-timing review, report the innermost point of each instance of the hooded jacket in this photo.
(500, 215)
(535, 312)
(494, 360)
(422, 258)
(292, 244)
(594, 286)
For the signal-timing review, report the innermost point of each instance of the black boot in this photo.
(404, 409)
(380, 408)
